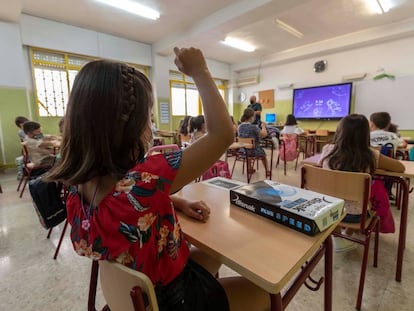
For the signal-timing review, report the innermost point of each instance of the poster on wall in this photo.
(267, 98)
(164, 113)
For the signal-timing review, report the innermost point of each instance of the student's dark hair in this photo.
(106, 128)
(184, 125)
(290, 120)
(247, 114)
(30, 126)
(381, 119)
(351, 151)
(196, 123)
(20, 120)
(393, 128)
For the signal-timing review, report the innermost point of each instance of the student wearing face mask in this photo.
(257, 108)
(39, 147)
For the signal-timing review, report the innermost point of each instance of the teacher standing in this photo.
(257, 107)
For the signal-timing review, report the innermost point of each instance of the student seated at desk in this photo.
(249, 130)
(19, 121)
(380, 123)
(184, 131)
(197, 128)
(120, 207)
(291, 126)
(351, 152)
(39, 147)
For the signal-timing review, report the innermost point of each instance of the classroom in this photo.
(44, 40)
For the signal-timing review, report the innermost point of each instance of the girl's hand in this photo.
(197, 210)
(190, 61)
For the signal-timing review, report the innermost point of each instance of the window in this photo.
(185, 99)
(54, 73)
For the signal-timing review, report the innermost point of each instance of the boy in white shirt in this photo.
(39, 147)
(379, 123)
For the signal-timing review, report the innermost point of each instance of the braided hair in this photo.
(107, 124)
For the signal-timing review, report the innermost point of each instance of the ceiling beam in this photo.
(226, 20)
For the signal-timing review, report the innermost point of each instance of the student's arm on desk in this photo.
(194, 209)
(390, 164)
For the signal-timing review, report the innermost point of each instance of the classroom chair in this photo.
(124, 289)
(64, 195)
(62, 235)
(349, 186)
(28, 170)
(163, 149)
(248, 158)
(321, 139)
(288, 150)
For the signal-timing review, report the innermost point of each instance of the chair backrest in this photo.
(25, 154)
(321, 133)
(163, 149)
(387, 150)
(246, 140)
(117, 282)
(350, 186)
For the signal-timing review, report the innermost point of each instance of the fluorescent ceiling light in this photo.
(239, 44)
(132, 7)
(380, 6)
(288, 28)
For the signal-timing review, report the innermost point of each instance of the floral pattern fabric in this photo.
(135, 224)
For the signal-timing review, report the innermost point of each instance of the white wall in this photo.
(396, 57)
(48, 34)
(12, 73)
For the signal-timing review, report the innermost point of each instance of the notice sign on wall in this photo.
(164, 113)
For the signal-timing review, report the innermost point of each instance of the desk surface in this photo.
(266, 253)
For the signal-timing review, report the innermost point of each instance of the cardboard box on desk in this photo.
(303, 210)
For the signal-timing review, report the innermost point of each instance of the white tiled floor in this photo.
(31, 280)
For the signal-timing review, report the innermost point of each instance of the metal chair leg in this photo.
(60, 239)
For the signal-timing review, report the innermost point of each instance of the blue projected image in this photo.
(325, 102)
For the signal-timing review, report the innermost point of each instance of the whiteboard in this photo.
(394, 96)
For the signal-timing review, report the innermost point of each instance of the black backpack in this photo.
(48, 201)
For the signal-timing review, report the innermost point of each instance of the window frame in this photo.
(186, 80)
(66, 66)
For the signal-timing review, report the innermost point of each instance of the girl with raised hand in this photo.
(119, 206)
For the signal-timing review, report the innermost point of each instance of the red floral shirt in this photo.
(136, 226)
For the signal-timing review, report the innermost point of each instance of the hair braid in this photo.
(128, 99)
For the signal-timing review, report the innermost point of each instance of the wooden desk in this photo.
(403, 180)
(172, 135)
(266, 253)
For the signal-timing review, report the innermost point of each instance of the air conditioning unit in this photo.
(286, 86)
(355, 77)
(247, 81)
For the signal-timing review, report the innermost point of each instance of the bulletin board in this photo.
(267, 98)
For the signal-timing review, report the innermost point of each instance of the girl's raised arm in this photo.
(198, 157)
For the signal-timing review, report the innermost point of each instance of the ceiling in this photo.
(327, 25)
